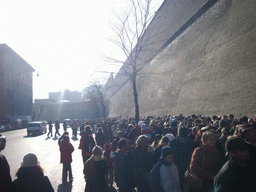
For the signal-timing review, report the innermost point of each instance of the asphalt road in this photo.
(47, 151)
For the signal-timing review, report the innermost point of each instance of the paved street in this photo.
(47, 151)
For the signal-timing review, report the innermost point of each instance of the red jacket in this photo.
(66, 149)
(212, 164)
(81, 146)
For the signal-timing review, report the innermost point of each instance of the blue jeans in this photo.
(66, 171)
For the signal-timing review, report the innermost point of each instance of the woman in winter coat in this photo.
(95, 170)
(206, 160)
(30, 176)
(143, 160)
(66, 150)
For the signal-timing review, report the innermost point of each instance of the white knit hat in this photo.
(30, 160)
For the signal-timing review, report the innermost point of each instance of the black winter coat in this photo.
(5, 177)
(100, 138)
(144, 162)
(124, 171)
(32, 179)
(234, 177)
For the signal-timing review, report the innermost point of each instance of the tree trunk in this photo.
(135, 94)
(104, 111)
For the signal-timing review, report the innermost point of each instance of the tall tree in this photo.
(130, 28)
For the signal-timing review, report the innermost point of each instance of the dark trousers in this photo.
(50, 131)
(57, 132)
(66, 171)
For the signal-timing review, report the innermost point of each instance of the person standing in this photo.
(143, 160)
(124, 171)
(181, 147)
(206, 160)
(236, 174)
(65, 126)
(100, 137)
(164, 177)
(158, 150)
(5, 177)
(108, 156)
(57, 127)
(86, 143)
(50, 128)
(95, 169)
(66, 150)
(30, 176)
(74, 128)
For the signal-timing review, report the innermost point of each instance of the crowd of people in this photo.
(170, 153)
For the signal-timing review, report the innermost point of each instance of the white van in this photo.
(38, 127)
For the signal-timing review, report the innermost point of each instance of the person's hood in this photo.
(29, 172)
(65, 143)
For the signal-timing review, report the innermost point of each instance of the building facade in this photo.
(16, 87)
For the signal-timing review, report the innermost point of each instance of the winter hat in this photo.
(166, 151)
(30, 160)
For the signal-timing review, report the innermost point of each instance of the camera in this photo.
(2, 142)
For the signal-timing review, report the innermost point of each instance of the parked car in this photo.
(8, 123)
(38, 127)
(68, 122)
(2, 128)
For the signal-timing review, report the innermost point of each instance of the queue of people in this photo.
(177, 154)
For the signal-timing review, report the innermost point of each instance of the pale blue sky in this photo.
(62, 39)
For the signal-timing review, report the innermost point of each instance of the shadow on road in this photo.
(74, 138)
(28, 136)
(55, 138)
(66, 187)
(47, 138)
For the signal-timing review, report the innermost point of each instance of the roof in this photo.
(11, 51)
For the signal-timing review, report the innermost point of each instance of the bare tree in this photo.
(96, 93)
(131, 39)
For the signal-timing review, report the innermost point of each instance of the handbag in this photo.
(192, 179)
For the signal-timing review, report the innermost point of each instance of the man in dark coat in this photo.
(181, 147)
(236, 174)
(5, 177)
(57, 127)
(50, 128)
(123, 168)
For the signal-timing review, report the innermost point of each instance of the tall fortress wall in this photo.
(201, 58)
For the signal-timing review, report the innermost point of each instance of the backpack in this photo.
(88, 143)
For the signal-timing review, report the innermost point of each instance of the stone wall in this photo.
(207, 67)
